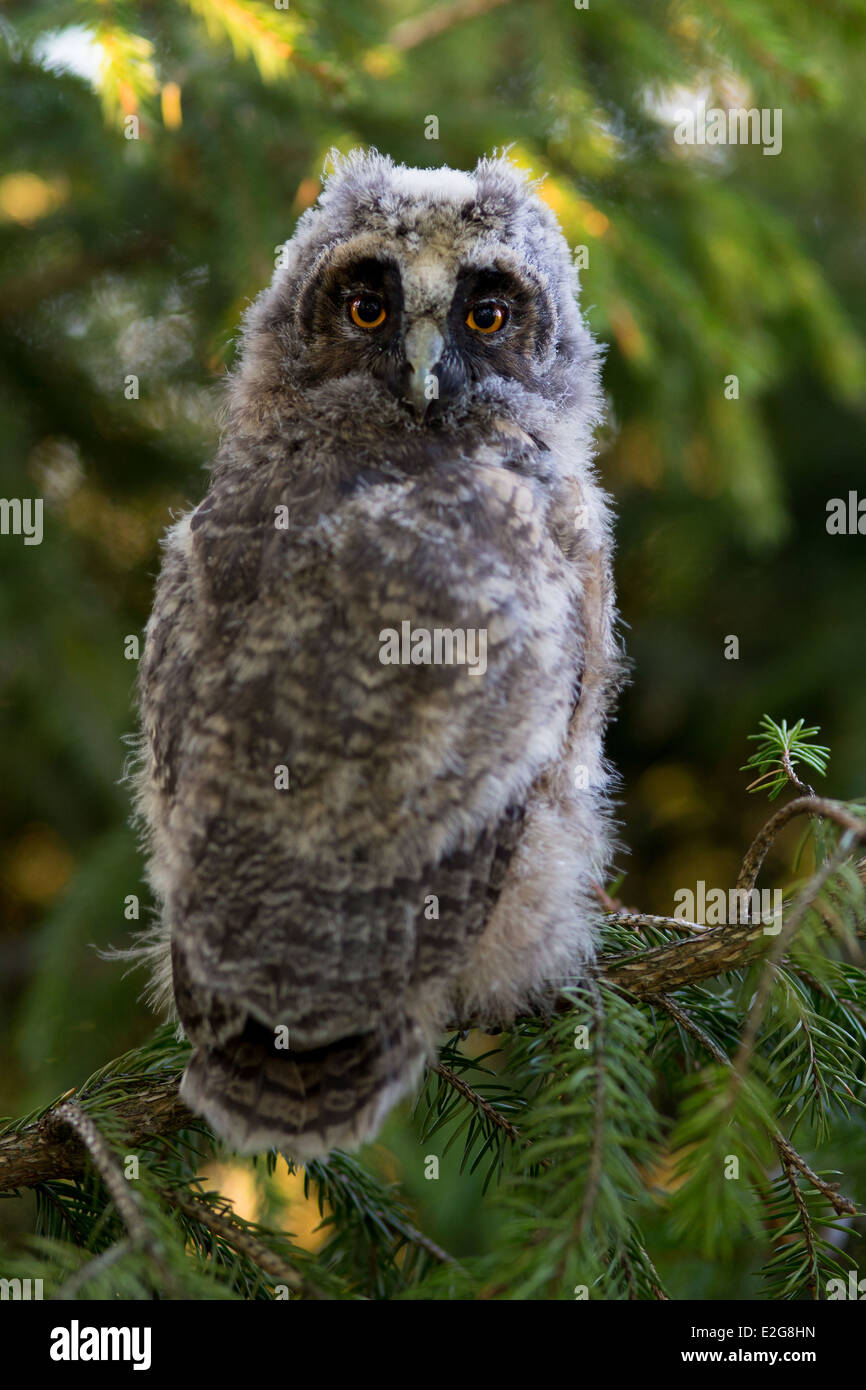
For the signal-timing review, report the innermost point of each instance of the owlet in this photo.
(380, 660)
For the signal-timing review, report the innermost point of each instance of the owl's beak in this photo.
(424, 348)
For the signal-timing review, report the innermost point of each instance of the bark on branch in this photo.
(666, 968)
(45, 1150)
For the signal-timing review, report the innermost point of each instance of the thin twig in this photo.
(648, 919)
(106, 1165)
(841, 1205)
(486, 1108)
(416, 1237)
(593, 1177)
(409, 33)
(655, 1282)
(222, 1225)
(805, 1222)
(783, 940)
(626, 1264)
(469, 1093)
(801, 806)
(91, 1269)
(792, 777)
(687, 1023)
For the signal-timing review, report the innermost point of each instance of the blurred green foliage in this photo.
(136, 256)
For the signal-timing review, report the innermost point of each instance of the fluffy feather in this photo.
(433, 854)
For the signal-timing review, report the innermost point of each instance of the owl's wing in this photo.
(541, 929)
(259, 1088)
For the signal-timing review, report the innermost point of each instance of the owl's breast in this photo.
(406, 655)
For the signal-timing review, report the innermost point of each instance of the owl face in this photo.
(422, 298)
(428, 327)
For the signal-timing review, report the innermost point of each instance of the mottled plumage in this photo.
(414, 789)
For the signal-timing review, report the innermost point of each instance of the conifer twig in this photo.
(785, 936)
(787, 1153)
(409, 33)
(801, 787)
(843, 1206)
(477, 1100)
(416, 1237)
(107, 1167)
(222, 1225)
(649, 919)
(805, 1221)
(800, 806)
(42, 1151)
(687, 1023)
(593, 1178)
(72, 1286)
(655, 1282)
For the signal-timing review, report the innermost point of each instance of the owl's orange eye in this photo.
(367, 311)
(487, 317)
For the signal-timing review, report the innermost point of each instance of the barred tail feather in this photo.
(256, 1096)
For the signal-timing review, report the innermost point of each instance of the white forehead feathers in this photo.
(433, 185)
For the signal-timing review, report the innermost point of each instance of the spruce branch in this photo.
(43, 1150)
(658, 1292)
(71, 1288)
(779, 750)
(790, 1173)
(71, 1116)
(222, 1222)
(687, 1023)
(649, 1274)
(674, 965)
(48, 1147)
(593, 1180)
(806, 900)
(349, 1188)
(483, 1106)
(819, 806)
(787, 1153)
(653, 920)
(843, 1206)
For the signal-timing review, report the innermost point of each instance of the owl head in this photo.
(420, 299)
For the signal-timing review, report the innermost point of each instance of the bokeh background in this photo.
(136, 256)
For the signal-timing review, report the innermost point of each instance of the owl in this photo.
(380, 661)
